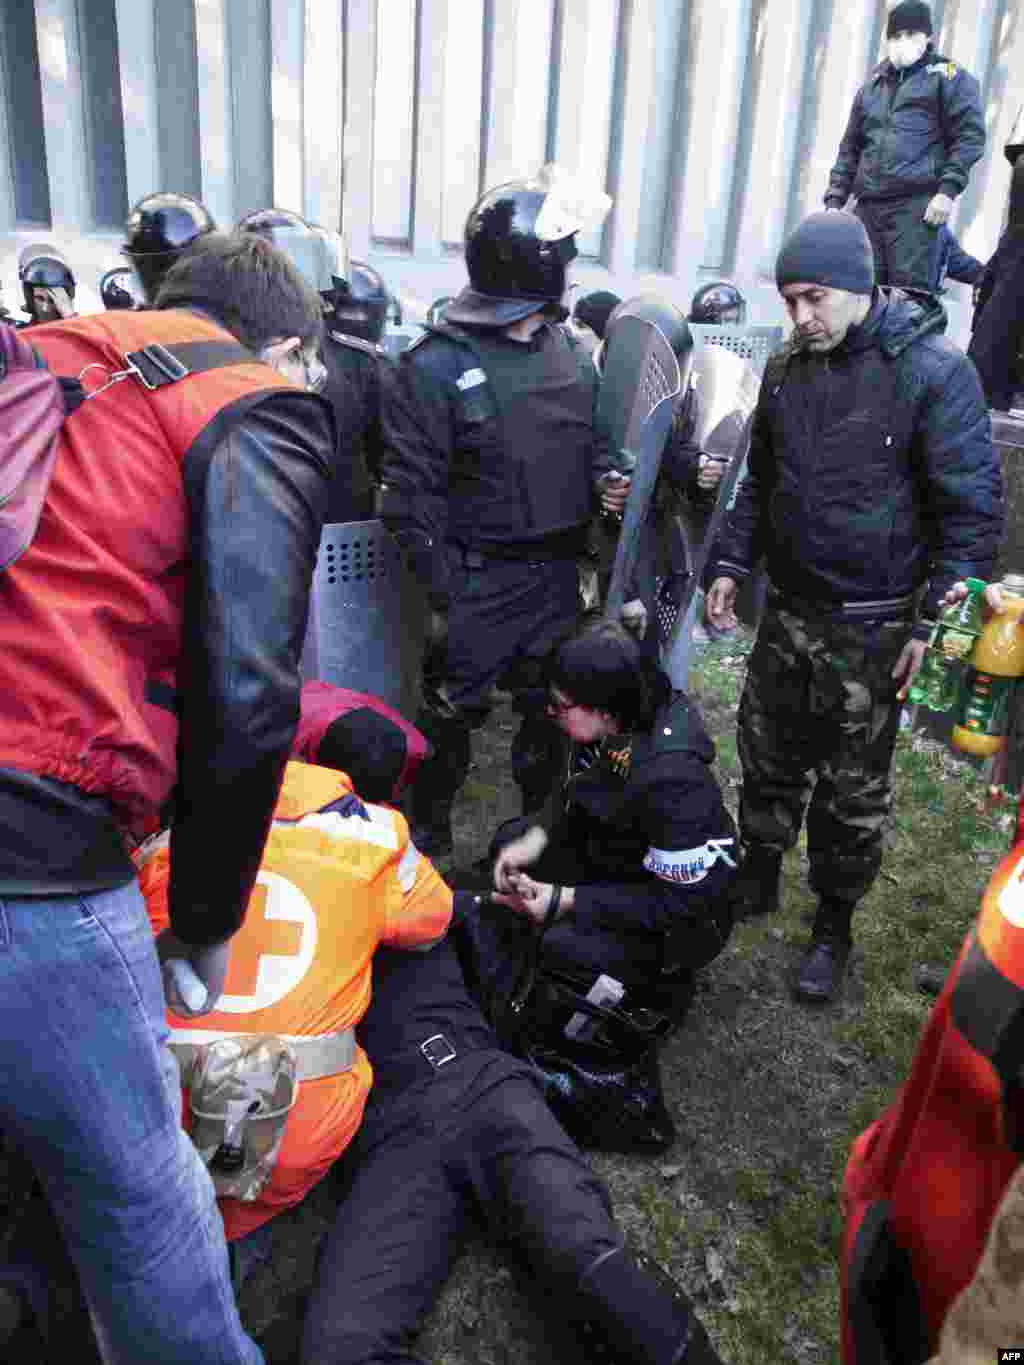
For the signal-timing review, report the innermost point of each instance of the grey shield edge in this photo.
(678, 648)
(366, 616)
(640, 387)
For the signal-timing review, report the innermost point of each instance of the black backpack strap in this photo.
(157, 365)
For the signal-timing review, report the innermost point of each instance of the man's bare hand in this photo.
(940, 206)
(710, 471)
(720, 604)
(908, 665)
(614, 490)
(992, 598)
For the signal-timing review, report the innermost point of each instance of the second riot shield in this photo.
(641, 382)
(367, 616)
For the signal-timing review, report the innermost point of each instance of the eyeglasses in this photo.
(557, 707)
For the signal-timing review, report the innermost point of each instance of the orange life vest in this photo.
(924, 1182)
(331, 888)
(91, 614)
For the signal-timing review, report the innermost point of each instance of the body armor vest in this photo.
(522, 466)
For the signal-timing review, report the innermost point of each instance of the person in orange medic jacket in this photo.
(924, 1182)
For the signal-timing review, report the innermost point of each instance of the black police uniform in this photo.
(911, 134)
(488, 476)
(356, 372)
(456, 1129)
(645, 840)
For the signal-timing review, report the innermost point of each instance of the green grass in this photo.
(943, 844)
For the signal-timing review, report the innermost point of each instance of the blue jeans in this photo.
(91, 1092)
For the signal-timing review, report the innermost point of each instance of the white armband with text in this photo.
(687, 866)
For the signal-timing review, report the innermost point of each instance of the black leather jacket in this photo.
(256, 481)
(910, 132)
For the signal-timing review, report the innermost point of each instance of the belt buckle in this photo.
(437, 1050)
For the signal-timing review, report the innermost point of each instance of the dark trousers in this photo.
(819, 698)
(472, 1141)
(505, 616)
(905, 246)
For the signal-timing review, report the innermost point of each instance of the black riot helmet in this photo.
(662, 313)
(520, 238)
(160, 229)
(43, 266)
(120, 289)
(307, 247)
(362, 309)
(719, 302)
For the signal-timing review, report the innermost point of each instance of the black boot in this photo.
(437, 783)
(631, 1312)
(755, 890)
(822, 968)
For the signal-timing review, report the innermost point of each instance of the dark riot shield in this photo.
(677, 649)
(640, 386)
(367, 616)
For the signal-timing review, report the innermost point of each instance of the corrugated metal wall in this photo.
(712, 122)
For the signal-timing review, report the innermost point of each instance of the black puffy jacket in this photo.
(916, 131)
(871, 468)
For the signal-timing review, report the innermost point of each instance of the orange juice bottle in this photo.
(983, 715)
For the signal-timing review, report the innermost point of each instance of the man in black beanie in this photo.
(915, 130)
(872, 487)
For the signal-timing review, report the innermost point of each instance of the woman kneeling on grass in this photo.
(632, 864)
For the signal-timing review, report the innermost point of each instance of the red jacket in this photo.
(177, 537)
(924, 1182)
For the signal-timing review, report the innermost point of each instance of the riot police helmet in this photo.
(306, 246)
(120, 289)
(719, 302)
(160, 229)
(44, 266)
(362, 309)
(520, 238)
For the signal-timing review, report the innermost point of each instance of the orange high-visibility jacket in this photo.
(924, 1182)
(331, 887)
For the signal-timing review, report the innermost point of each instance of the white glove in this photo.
(193, 977)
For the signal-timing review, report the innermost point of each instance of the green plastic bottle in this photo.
(950, 647)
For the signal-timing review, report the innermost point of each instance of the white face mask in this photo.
(907, 48)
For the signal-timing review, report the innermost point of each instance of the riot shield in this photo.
(676, 653)
(641, 382)
(367, 616)
(1015, 142)
(726, 391)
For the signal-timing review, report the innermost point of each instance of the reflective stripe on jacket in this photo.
(333, 885)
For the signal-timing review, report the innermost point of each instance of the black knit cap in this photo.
(595, 310)
(829, 248)
(367, 746)
(910, 16)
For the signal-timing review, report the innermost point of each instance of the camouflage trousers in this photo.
(818, 721)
